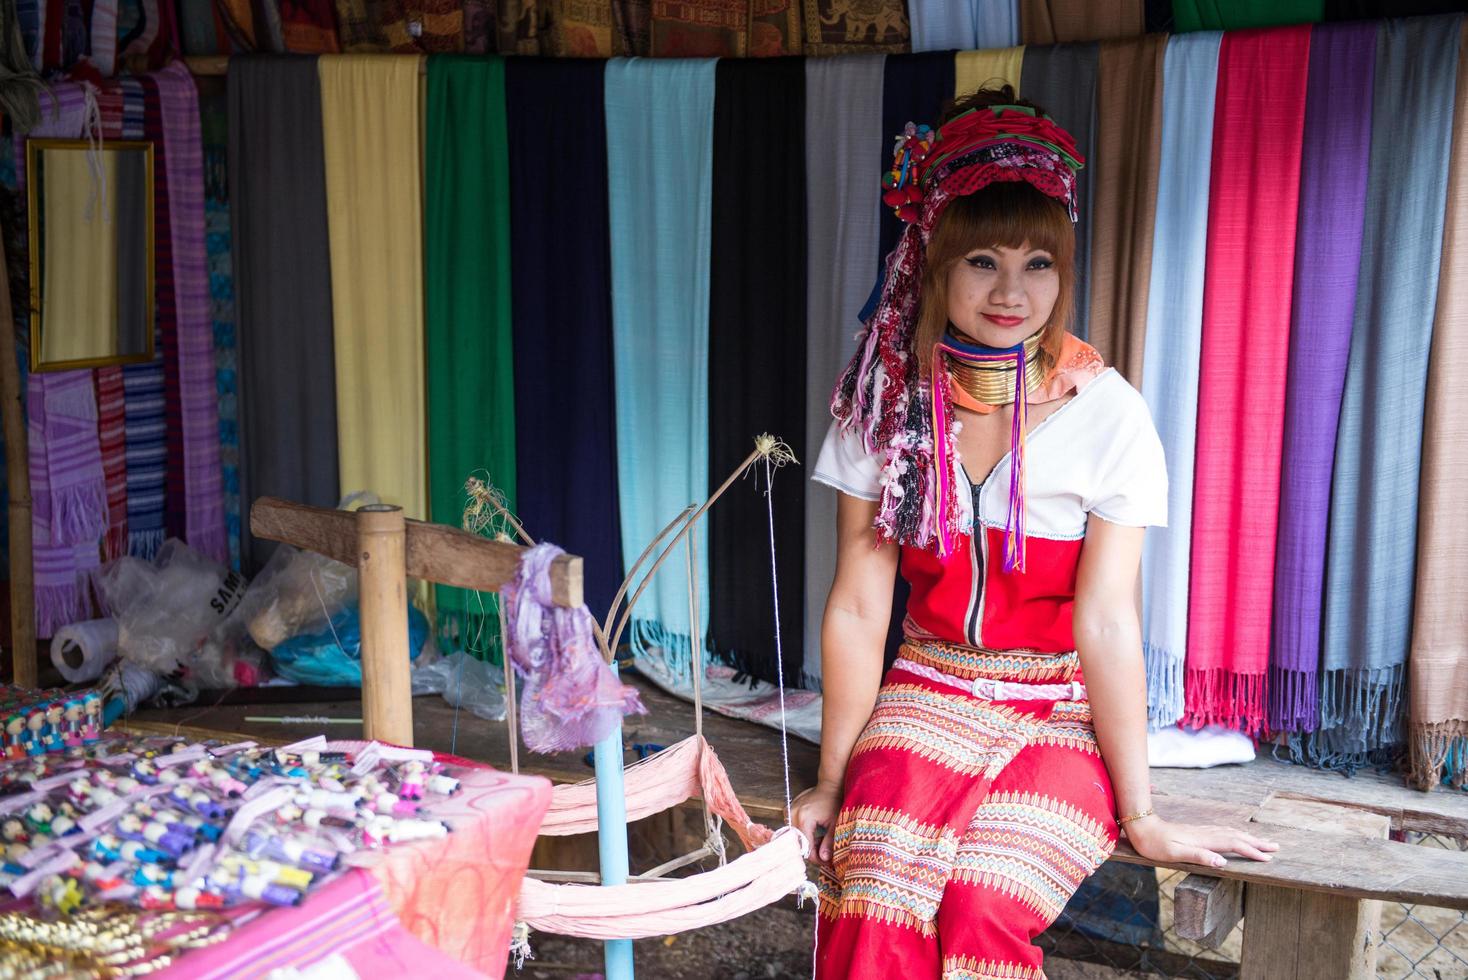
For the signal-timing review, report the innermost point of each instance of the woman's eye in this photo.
(1040, 264)
(981, 262)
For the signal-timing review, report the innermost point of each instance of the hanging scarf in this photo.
(1058, 21)
(1333, 174)
(556, 120)
(471, 368)
(843, 130)
(882, 395)
(198, 400)
(1252, 205)
(973, 70)
(144, 398)
(1210, 15)
(659, 186)
(1439, 657)
(111, 415)
(757, 306)
(1371, 551)
(1174, 339)
(283, 269)
(1129, 134)
(68, 486)
(370, 111)
(964, 25)
(215, 127)
(1062, 78)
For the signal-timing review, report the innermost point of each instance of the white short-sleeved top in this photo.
(1097, 454)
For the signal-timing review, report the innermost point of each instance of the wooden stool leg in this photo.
(1298, 935)
(387, 690)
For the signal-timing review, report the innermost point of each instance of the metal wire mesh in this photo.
(1122, 922)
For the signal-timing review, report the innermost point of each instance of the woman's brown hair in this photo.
(1000, 215)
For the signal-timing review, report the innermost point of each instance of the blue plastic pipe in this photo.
(611, 838)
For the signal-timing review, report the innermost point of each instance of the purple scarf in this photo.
(1337, 148)
(184, 163)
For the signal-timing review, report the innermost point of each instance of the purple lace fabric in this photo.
(571, 697)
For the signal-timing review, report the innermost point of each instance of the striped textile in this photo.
(111, 435)
(1333, 177)
(144, 403)
(198, 395)
(659, 187)
(1174, 340)
(1371, 552)
(843, 137)
(1259, 119)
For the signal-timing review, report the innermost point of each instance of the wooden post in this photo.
(18, 482)
(1310, 935)
(1206, 909)
(387, 694)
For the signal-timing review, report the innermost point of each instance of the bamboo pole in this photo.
(387, 694)
(18, 480)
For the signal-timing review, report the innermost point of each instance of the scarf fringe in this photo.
(79, 513)
(650, 638)
(145, 544)
(1360, 724)
(1164, 687)
(61, 605)
(810, 682)
(1438, 755)
(1294, 700)
(1218, 696)
(114, 543)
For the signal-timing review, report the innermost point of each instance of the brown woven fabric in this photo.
(725, 28)
(423, 26)
(583, 29)
(308, 26)
(479, 31)
(856, 27)
(359, 25)
(522, 26)
(632, 20)
(1124, 182)
(1438, 662)
(1057, 21)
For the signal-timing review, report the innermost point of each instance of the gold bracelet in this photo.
(1136, 816)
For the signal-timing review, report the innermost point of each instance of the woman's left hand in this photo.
(1165, 842)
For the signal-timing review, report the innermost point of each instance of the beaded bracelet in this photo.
(1136, 816)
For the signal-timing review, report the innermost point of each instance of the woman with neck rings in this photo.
(992, 457)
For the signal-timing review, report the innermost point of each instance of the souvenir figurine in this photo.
(73, 723)
(33, 738)
(91, 729)
(54, 735)
(410, 780)
(14, 737)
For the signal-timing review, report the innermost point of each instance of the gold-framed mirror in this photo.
(90, 212)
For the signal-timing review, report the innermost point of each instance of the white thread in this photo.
(779, 653)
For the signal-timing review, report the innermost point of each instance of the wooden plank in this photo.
(1206, 909)
(434, 553)
(1308, 935)
(1441, 811)
(1309, 860)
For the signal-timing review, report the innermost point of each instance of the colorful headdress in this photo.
(881, 393)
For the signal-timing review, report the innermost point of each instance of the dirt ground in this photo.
(771, 944)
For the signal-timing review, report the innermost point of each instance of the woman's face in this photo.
(1000, 296)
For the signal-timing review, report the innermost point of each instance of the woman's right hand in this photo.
(813, 813)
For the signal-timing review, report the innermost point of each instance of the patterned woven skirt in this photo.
(966, 825)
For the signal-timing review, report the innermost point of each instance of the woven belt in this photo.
(992, 690)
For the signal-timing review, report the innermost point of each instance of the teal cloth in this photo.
(659, 186)
(1371, 552)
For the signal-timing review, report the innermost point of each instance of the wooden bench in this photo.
(1311, 914)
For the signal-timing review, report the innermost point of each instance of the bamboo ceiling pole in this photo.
(387, 694)
(18, 479)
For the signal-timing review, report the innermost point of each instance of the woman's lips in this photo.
(1004, 321)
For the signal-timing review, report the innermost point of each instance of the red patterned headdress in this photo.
(882, 394)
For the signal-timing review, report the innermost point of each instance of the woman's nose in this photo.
(1006, 291)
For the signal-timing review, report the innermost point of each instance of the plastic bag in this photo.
(333, 657)
(297, 592)
(165, 609)
(464, 682)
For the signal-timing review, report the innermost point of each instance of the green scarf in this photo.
(471, 386)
